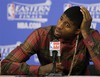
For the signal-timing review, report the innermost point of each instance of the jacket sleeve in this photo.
(92, 42)
(15, 62)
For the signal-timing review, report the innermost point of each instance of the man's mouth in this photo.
(57, 33)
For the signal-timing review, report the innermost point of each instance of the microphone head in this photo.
(55, 52)
(54, 46)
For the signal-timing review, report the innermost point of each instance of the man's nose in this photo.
(60, 26)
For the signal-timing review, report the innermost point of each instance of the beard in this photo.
(69, 36)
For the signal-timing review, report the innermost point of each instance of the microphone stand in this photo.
(53, 72)
(54, 61)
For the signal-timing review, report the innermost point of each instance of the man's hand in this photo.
(86, 23)
(48, 68)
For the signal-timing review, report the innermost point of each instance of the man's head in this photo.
(75, 15)
(69, 23)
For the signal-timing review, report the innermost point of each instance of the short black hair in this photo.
(75, 15)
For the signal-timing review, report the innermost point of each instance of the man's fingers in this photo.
(59, 67)
(86, 13)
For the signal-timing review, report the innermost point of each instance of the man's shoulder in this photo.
(44, 31)
(93, 30)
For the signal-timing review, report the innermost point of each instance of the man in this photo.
(79, 43)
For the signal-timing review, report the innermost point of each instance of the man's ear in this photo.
(78, 31)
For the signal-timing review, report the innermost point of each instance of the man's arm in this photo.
(14, 63)
(92, 41)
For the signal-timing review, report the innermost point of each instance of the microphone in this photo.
(55, 52)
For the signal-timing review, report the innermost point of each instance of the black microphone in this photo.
(55, 53)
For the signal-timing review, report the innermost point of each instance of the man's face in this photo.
(65, 28)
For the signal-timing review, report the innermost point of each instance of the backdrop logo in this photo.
(6, 49)
(11, 11)
(34, 13)
(94, 10)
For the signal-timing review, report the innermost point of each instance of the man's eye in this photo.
(66, 24)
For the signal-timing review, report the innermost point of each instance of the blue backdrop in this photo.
(18, 18)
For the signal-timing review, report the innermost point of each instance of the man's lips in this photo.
(57, 33)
